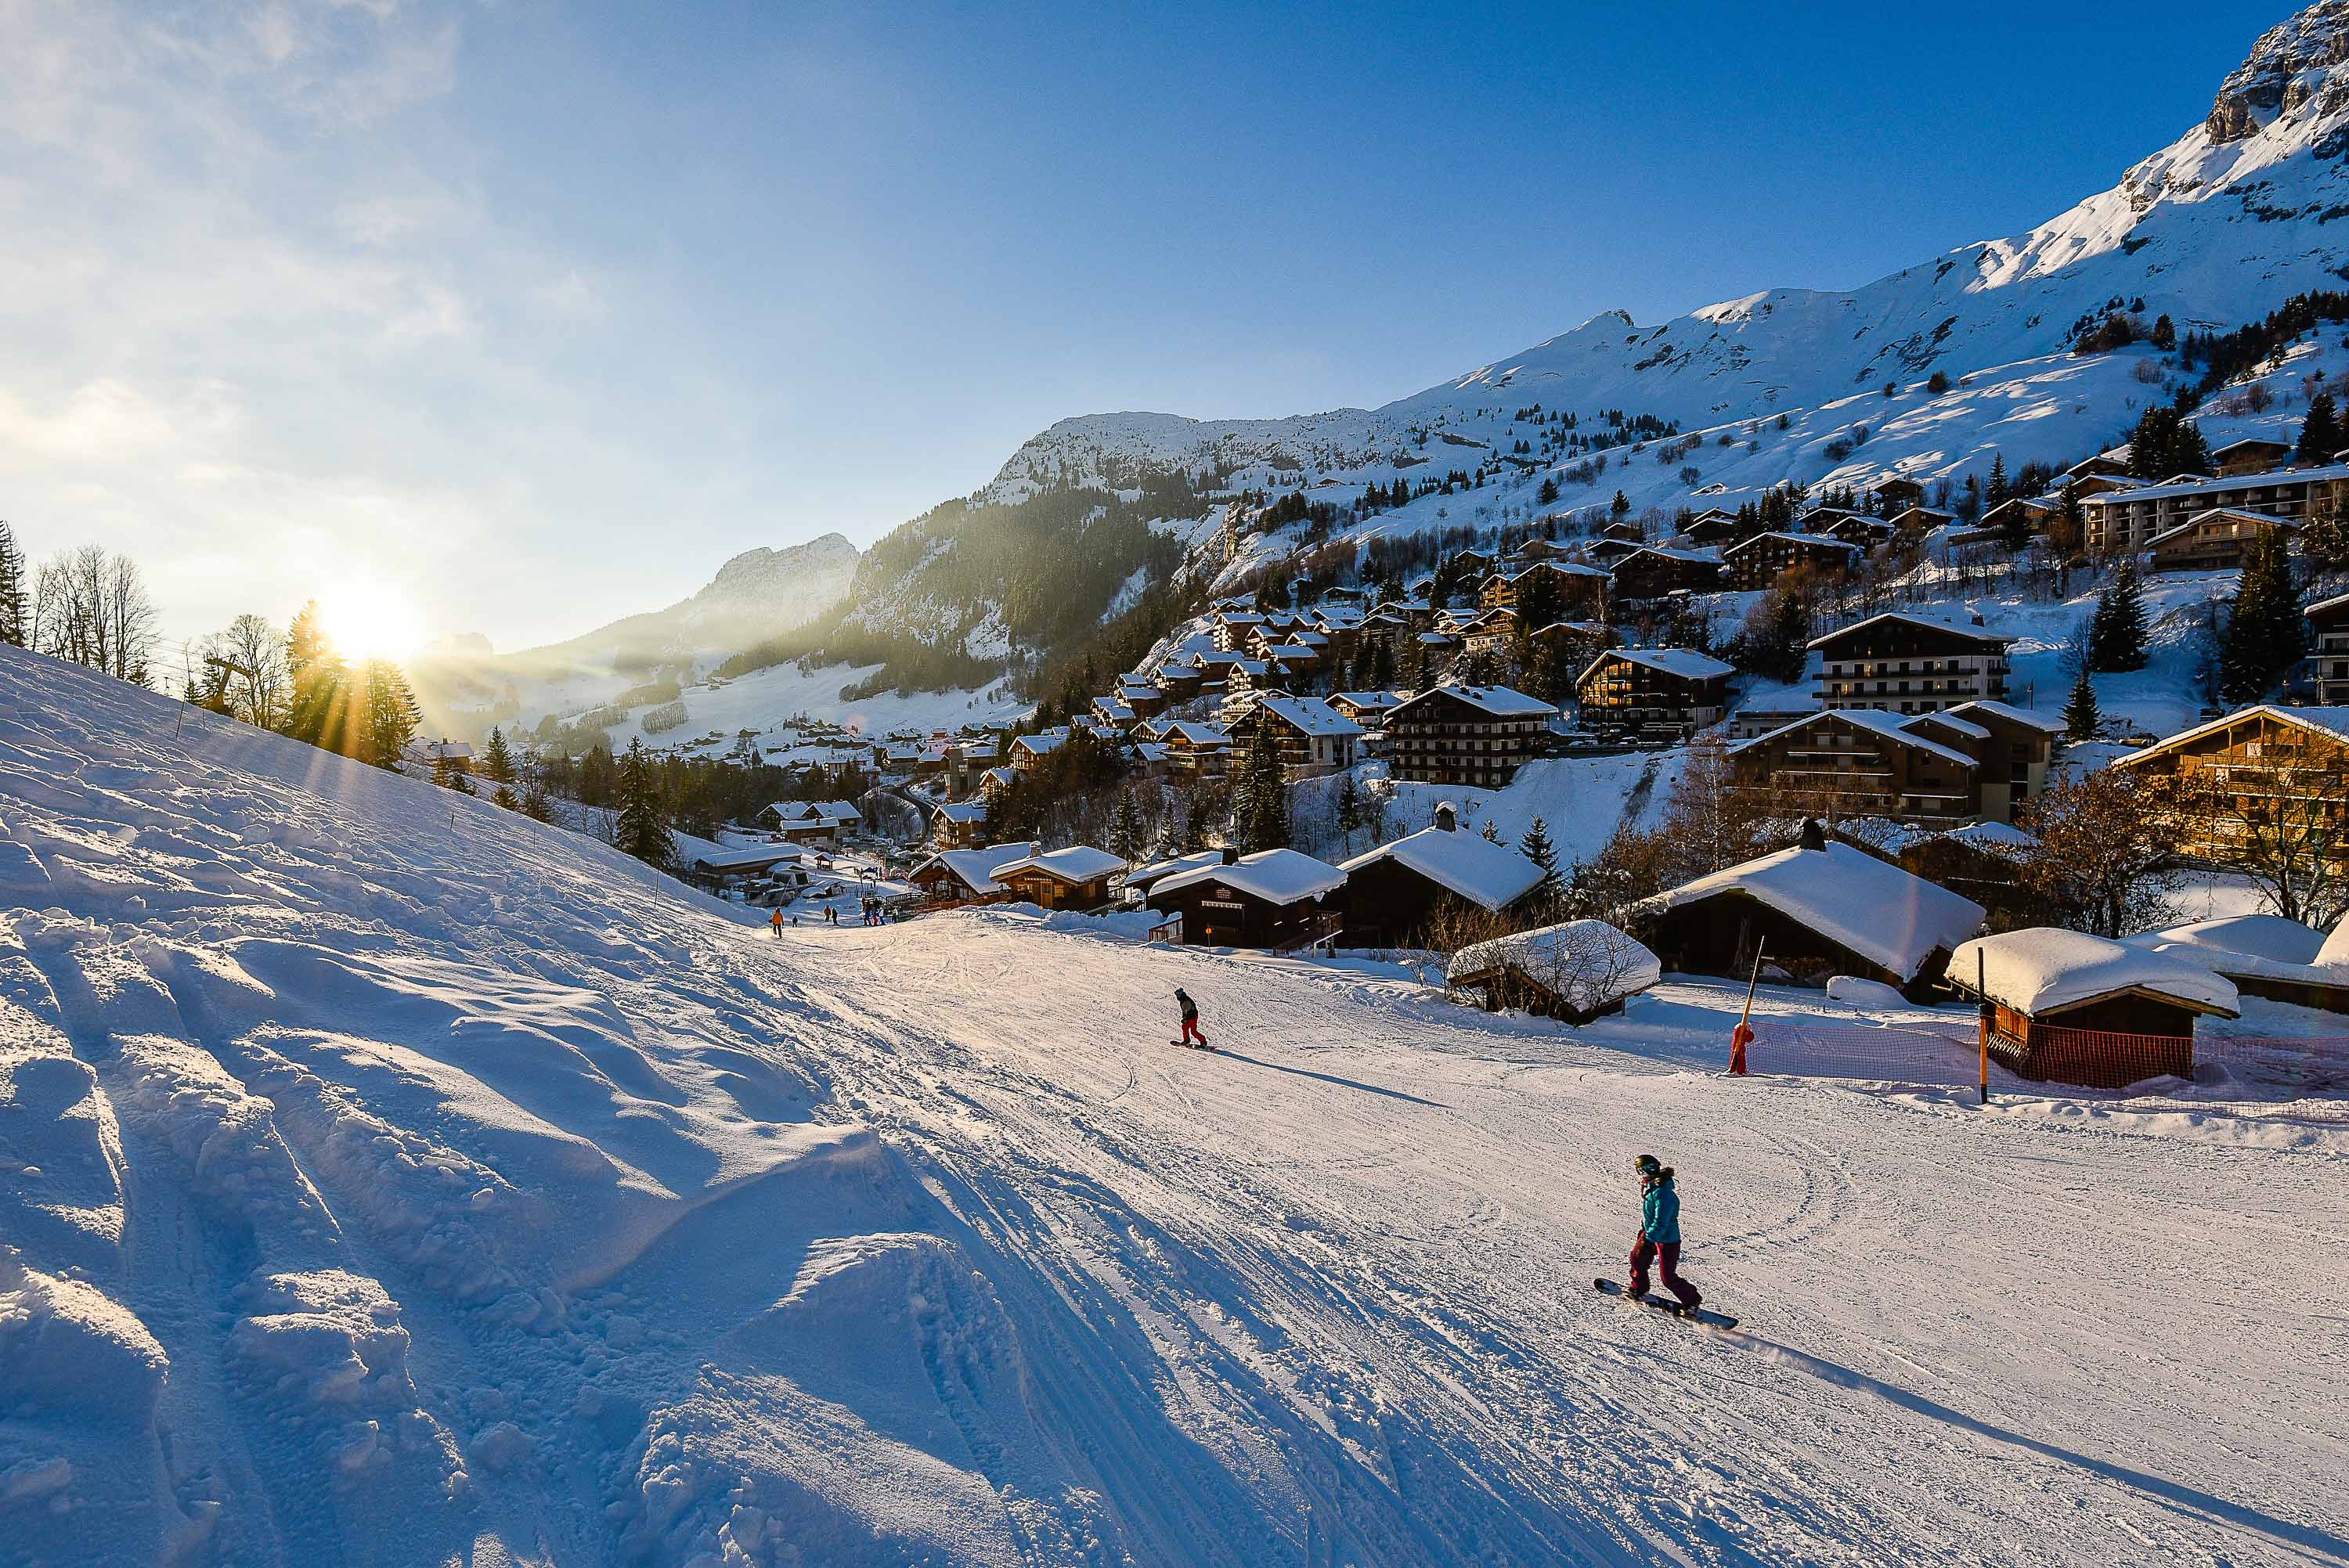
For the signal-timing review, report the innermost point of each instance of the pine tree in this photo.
(14, 630)
(1537, 847)
(1195, 819)
(536, 804)
(388, 714)
(2320, 433)
(2265, 632)
(497, 758)
(1349, 811)
(2116, 628)
(642, 829)
(1264, 803)
(1126, 839)
(2080, 718)
(2165, 334)
(1997, 491)
(504, 796)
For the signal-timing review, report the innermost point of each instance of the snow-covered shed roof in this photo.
(702, 854)
(964, 811)
(1501, 702)
(1308, 716)
(1686, 663)
(1276, 876)
(2265, 937)
(1488, 874)
(1193, 734)
(1371, 699)
(2001, 839)
(1860, 903)
(1042, 742)
(2042, 970)
(1925, 623)
(1076, 863)
(971, 867)
(1585, 963)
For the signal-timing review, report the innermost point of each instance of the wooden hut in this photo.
(1577, 971)
(2069, 1007)
(1274, 898)
(1075, 878)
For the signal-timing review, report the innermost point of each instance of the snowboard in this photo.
(1187, 1046)
(1666, 1304)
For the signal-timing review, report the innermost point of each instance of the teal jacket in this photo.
(1659, 1212)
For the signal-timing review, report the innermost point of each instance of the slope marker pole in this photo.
(1742, 1036)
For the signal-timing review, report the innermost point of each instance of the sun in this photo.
(368, 621)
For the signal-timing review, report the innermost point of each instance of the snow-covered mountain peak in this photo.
(2292, 63)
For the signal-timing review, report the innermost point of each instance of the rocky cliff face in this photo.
(2285, 69)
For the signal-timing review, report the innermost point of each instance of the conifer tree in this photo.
(2116, 628)
(2080, 718)
(641, 829)
(1126, 839)
(2265, 632)
(2320, 433)
(536, 804)
(14, 629)
(504, 798)
(1997, 490)
(387, 714)
(1537, 847)
(1349, 811)
(1196, 818)
(497, 758)
(1264, 804)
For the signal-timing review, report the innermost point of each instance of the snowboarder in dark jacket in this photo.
(1191, 1036)
(1659, 1232)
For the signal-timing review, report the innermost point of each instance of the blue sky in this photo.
(532, 313)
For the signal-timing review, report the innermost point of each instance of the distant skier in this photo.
(1191, 1036)
(775, 926)
(1659, 1232)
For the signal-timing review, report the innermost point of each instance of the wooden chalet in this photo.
(1761, 561)
(1367, 708)
(1860, 762)
(1470, 734)
(1392, 892)
(2213, 540)
(1894, 494)
(1312, 737)
(1581, 591)
(965, 876)
(1657, 570)
(1906, 663)
(1277, 899)
(2328, 628)
(2068, 1007)
(1813, 911)
(1577, 971)
(1663, 693)
(1076, 878)
(2252, 454)
(1714, 528)
(2223, 781)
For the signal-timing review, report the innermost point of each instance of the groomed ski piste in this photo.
(387, 1178)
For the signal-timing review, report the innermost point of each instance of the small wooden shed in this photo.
(1577, 970)
(2069, 1007)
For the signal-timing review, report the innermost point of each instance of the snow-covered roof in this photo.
(1276, 876)
(971, 867)
(1669, 552)
(1501, 702)
(2001, 839)
(1810, 540)
(2187, 484)
(2333, 720)
(1484, 873)
(2234, 513)
(1566, 568)
(964, 811)
(1367, 698)
(2265, 936)
(1893, 726)
(1964, 727)
(2010, 713)
(1193, 734)
(2042, 970)
(1041, 743)
(1877, 911)
(704, 855)
(1142, 876)
(1076, 863)
(1924, 623)
(1685, 663)
(1586, 962)
(1308, 716)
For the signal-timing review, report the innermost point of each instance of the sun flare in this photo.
(368, 621)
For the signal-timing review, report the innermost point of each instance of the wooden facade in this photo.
(2211, 541)
(1761, 561)
(1465, 735)
(1905, 664)
(1860, 764)
(1651, 573)
(2261, 775)
(1652, 692)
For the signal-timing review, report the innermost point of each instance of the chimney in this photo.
(1231, 855)
(1447, 817)
(1814, 836)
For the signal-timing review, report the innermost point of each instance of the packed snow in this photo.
(387, 1178)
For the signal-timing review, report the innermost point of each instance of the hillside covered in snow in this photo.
(387, 1178)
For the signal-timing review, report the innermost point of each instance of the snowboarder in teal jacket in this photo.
(1659, 1240)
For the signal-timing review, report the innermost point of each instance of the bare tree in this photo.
(251, 656)
(92, 608)
(2101, 861)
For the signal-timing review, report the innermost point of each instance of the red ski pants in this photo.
(1666, 1256)
(1191, 1035)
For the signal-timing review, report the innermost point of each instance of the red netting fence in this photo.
(2060, 1060)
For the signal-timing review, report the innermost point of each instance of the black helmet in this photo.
(1646, 1165)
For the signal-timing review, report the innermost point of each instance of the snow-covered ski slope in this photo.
(386, 1180)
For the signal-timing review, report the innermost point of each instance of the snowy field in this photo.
(389, 1180)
